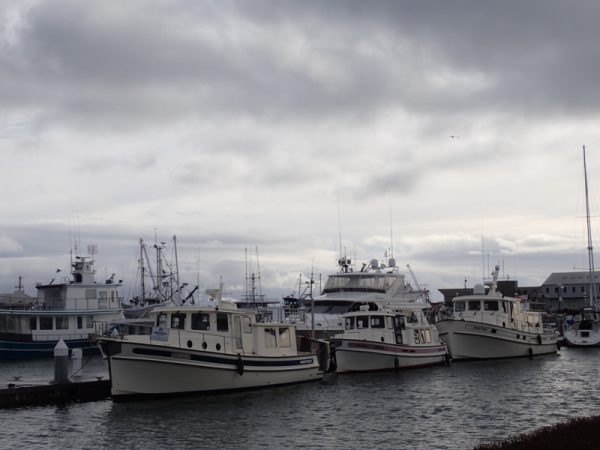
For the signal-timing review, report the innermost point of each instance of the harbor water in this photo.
(454, 407)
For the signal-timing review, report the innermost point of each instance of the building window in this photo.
(33, 323)
(547, 290)
(573, 290)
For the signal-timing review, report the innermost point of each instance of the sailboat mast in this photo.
(142, 271)
(177, 270)
(589, 235)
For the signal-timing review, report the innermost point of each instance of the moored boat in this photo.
(69, 310)
(378, 285)
(387, 340)
(488, 326)
(198, 349)
(585, 330)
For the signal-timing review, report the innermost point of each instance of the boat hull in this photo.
(474, 340)
(582, 338)
(365, 356)
(16, 350)
(141, 370)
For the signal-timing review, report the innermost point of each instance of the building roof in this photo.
(571, 278)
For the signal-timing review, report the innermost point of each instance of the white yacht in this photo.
(491, 325)
(69, 310)
(375, 285)
(387, 340)
(205, 349)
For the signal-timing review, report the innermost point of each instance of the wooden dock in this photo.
(17, 393)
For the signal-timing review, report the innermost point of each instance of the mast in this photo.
(589, 235)
(177, 270)
(142, 271)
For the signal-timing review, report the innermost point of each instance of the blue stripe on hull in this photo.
(12, 350)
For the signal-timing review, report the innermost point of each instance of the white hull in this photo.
(146, 370)
(582, 338)
(363, 356)
(473, 340)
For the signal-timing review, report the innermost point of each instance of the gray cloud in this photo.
(285, 61)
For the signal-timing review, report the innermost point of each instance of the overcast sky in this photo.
(284, 125)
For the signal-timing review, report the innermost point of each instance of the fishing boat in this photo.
(584, 331)
(206, 348)
(487, 326)
(377, 285)
(69, 310)
(387, 340)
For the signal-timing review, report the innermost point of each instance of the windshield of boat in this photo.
(359, 282)
(331, 307)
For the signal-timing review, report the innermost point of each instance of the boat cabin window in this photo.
(359, 282)
(284, 337)
(45, 323)
(200, 321)
(79, 322)
(33, 323)
(362, 322)
(459, 306)
(161, 320)
(270, 340)
(399, 322)
(62, 323)
(390, 323)
(178, 321)
(475, 305)
(490, 305)
(349, 323)
(89, 321)
(247, 325)
(222, 322)
(377, 322)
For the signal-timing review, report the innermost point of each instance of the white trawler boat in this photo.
(68, 310)
(387, 340)
(491, 325)
(585, 330)
(205, 349)
(375, 285)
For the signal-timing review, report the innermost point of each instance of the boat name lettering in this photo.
(306, 361)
